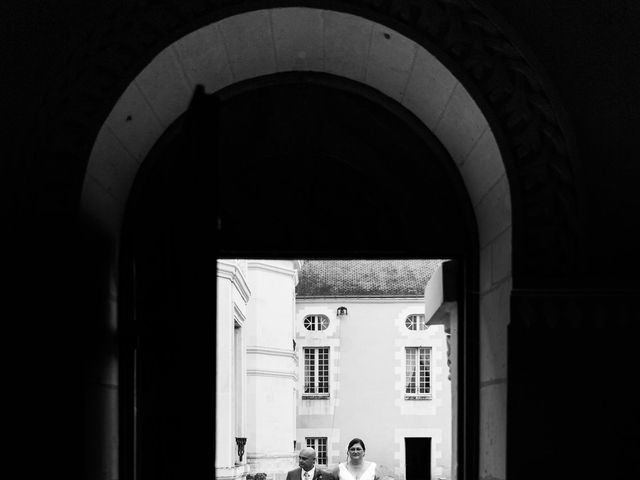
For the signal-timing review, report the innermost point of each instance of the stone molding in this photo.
(229, 270)
(273, 373)
(278, 352)
(275, 455)
(293, 272)
(239, 317)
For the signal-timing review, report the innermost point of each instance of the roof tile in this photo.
(365, 278)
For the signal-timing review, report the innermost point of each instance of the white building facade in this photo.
(372, 367)
(256, 371)
(233, 294)
(352, 355)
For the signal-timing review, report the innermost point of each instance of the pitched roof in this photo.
(365, 278)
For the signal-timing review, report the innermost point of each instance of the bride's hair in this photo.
(354, 442)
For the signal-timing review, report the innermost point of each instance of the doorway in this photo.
(359, 172)
(417, 458)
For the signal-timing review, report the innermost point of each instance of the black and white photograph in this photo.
(321, 239)
(356, 349)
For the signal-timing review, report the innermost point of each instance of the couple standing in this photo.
(355, 468)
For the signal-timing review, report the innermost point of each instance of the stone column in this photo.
(232, 296)
(271, 367)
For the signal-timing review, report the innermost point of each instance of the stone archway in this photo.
(486, 106)
(267, 41)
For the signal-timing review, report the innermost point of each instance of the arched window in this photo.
(416, 322)
(316, 322)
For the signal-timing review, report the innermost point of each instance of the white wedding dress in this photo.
(368, 474)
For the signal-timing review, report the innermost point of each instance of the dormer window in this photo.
(416, 322)
(316, 322)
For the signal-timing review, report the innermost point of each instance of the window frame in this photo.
(317, 320)
(315, 444)
(417, 395)
(418, 322)
(315, 394)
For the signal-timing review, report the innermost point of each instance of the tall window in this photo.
(416, 322)
(319, 444)
(316, 322)
(316, 371)
(418, 380)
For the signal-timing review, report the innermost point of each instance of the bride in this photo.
(356, 467)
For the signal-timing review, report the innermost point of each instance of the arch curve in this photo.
(534, 140)
(444, 60)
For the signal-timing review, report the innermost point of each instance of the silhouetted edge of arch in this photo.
(533, 134)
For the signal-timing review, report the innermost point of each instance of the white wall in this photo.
(271, 367)
(232, 297)
(367, 375)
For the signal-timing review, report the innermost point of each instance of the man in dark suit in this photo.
(307, 469)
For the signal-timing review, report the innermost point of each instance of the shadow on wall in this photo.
(62, 342)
